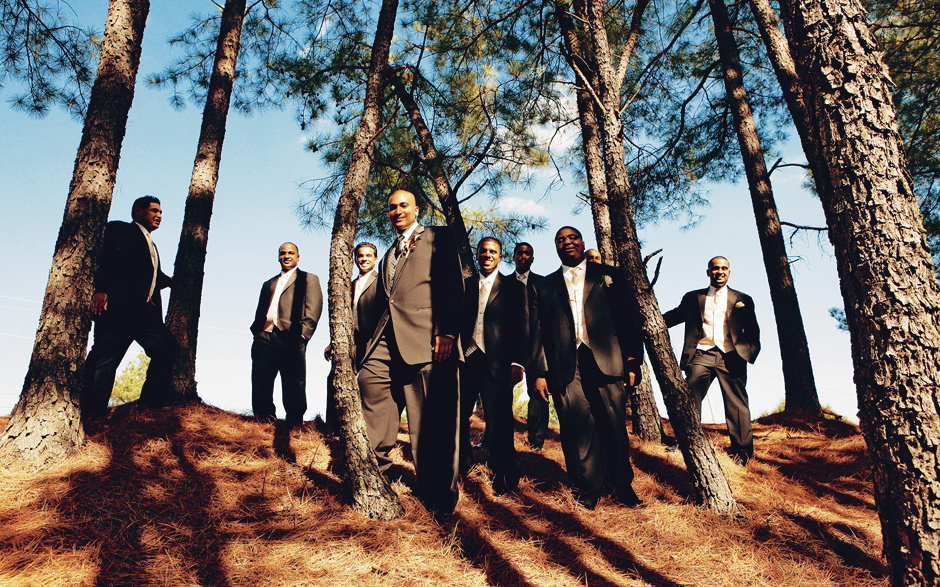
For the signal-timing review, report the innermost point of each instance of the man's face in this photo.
(288, 256)
(365, 259)
(569, 246)
(488, 255)
(593, 256)
(402, 210)
(718, 272)
(149, 217)
(523, 258)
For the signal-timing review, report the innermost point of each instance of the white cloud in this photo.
(522, 206)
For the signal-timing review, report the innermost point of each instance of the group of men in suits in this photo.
(428, 341)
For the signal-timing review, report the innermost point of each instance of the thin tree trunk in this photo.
(434, 164)
(785, 70)
(645, 415)
(892, 302)
(799, 383)
(707, 477)
(368, 490)
(45, 425)
(189, 269)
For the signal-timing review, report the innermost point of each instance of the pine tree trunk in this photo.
(45, 425)
(189, 268)
(799, 383)
(590, 141)
(707, 477)
(433, 163)
(892, 302)
(646, 422)
(785, 70)
(368, 490)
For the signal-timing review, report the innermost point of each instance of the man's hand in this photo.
(631, 378)
(541, 386)
(99, 303)
(516, 375)
(443, 347)
(327, 351)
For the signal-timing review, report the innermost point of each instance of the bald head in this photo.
(402, 210)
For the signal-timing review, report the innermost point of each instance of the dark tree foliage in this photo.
(909, 31)
(50, 60)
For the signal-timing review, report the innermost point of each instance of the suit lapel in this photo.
(494, 290)
(561, 290)
(403, 260)
(590, 276)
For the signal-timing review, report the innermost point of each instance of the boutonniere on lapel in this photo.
(739, 305)
(608, 280)
(409, 245)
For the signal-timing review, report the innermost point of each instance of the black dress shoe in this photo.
(629, 498)
(741, 459)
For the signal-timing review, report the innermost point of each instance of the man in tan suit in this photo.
(411, 359)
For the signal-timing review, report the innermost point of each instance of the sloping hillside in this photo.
(198, 496)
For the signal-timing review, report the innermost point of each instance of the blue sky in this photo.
(263, 164)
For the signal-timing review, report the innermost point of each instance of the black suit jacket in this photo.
(125, 271)
(503, 323)
(528, 320)
(742, 323)
(297, 315)
(613, 335)
(364, 315)
(426, 297)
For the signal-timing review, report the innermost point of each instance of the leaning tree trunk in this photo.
(188, 272)
(892, 302)
(45, 424)
(645, 415)
(433, 162)
(707, 477)
(368, 490)
(799, 383)
(785, 70)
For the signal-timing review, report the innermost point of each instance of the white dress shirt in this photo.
(154, 258)
(272, 317)
(360, 286)
(714, 321)
(486, 285)
(574, 280)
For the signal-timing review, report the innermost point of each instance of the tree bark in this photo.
(707, 477)
(367, 489)
(590, 141)
(433, 163)
(892, 302)
(645, 415)
(785, 70)
(799, 383)
(45, 424)
(189, 269)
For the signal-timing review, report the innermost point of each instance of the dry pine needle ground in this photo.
(197, 496)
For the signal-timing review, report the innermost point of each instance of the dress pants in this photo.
(429, 392)
(592, 416)
(731, 371)
(537, 416)
(496, 397)
(113, 336)
(284, 352)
